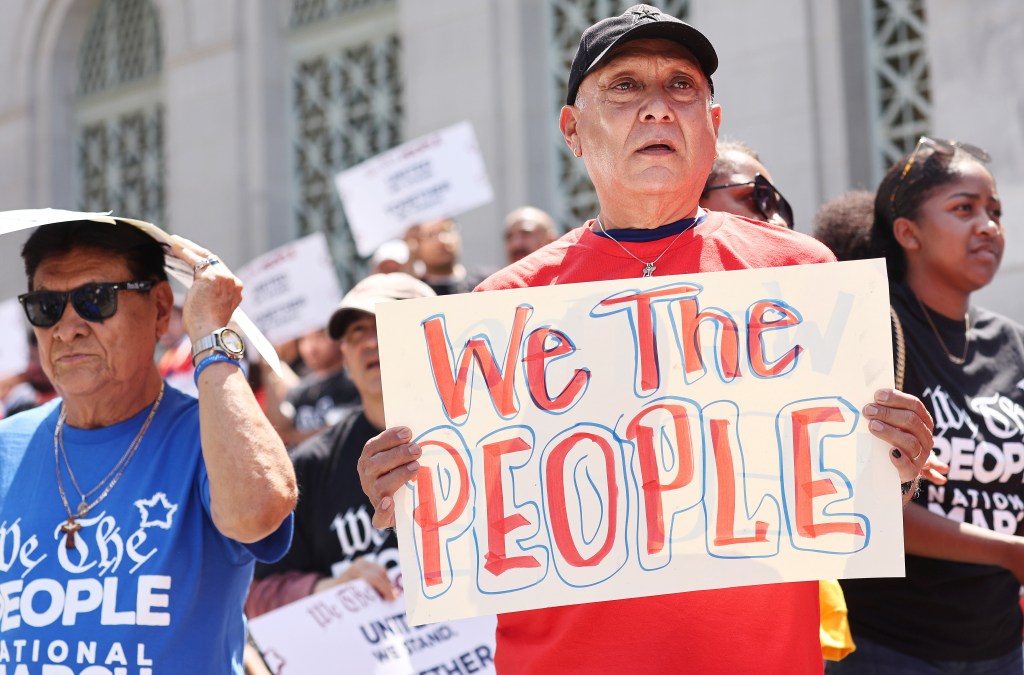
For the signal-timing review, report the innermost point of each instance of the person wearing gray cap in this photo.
(641, 115)
(334, 541)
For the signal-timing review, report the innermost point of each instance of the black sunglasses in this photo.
(93, 302)
(942, 147)
(767, 198)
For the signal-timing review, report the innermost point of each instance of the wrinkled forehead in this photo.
(80, 264)
(645, 51)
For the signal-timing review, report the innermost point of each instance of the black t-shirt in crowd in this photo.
(332, 518)
(319, 402)
(947, 610)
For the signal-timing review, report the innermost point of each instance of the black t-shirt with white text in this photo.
(332, 518)
(942, 609)
(320, 401)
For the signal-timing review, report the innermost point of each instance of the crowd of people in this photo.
(195, 496)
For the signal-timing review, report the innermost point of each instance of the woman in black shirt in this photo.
(938, 218)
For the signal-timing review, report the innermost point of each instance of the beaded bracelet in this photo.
(214, 358)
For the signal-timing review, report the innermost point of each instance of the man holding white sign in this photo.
(640, 113)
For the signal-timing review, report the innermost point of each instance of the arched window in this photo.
(899, 78)
(568, 19)
(345, 107)
(118, 112)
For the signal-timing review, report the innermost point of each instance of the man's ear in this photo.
(716, 120)
(906, 233)
(163, 298)
(567, 123)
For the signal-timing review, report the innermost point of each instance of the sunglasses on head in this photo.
(942, 147)
(93, 302)
(767, 198)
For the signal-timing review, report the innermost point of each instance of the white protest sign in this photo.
(630, 438)
(292, 290)
(350, 629)
(13, 339)
(435, 176)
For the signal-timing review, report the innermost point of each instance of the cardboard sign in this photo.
(13, 339)
(638, 437)
(435, 176)
(292, 290)
(350, 629)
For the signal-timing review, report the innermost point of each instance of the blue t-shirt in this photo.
(151, 585)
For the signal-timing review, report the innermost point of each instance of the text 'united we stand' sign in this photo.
(629, 438)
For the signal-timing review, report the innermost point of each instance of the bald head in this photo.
(526, 230)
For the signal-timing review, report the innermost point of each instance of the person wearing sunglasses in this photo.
(938, 218)
(739, 184)
(136, 511)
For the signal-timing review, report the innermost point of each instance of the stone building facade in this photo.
(226, 121)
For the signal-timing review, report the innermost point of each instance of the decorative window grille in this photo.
(346, 107)
(119, 132)
(306, 12)
(568, 19)
(899, 78)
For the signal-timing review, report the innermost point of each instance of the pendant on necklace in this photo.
(83, 509)
(69, 528)
(649, 269)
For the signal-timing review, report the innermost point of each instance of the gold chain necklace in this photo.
(648, 266)
(956, 360)
(107, 483)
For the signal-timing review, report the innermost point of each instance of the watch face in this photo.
(231, 341)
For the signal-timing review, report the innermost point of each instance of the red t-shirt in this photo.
(764, 629)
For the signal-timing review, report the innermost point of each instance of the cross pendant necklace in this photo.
(648, 264)
(107, 484)
(69, 528)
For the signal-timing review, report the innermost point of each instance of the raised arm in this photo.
(252, 483)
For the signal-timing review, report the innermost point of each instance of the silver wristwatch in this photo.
(222, 340)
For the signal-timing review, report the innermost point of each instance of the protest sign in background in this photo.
(13, 339)
(291, 290)
(439, 175)
(350, 629)
(628, 438)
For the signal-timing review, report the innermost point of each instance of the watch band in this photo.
(216, 357)
(214, 341)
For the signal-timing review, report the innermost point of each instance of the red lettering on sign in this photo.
(451, 385)
(537, 356)
(807, 489)
(425, 513)
(498, 524)
(647, 346)
(725, 471)
(757, 325)
(557, 501)
(653, 488)
(728, 350)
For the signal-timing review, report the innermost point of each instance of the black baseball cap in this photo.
(637, 22)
